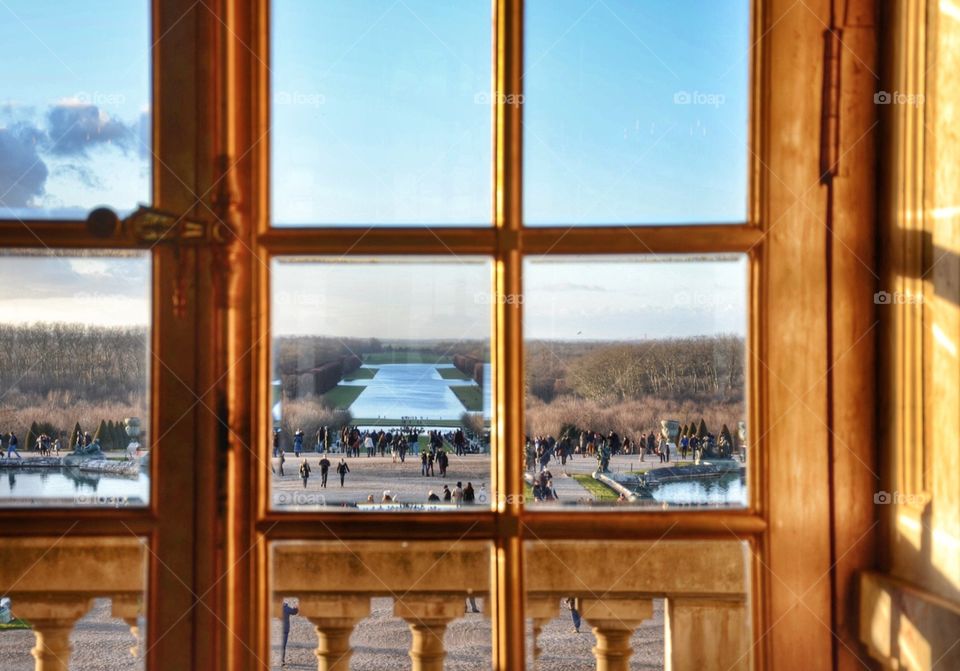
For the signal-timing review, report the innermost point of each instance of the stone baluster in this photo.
(541, 610)
(428, 617)
(334, 618)
(52, 619)
(129, 608)
(706, 634)
(613, 622)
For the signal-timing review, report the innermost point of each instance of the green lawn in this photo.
(453, 374)
(15, 623)
(597, 489)
(343, 395)
(361, 374)
(404, 356)
(470, 395)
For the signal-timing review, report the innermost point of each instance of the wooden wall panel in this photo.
(794, 352)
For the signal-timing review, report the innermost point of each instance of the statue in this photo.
(88, 448)
(132, 429)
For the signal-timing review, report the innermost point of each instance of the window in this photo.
(272, 263)
(363, 323)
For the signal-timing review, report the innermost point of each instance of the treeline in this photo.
(93, 363)
(701, 367)
(298, 354)
(319, 379)
(316, 364)
(57, 375)
(469, 365)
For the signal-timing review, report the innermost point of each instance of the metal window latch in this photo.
(152, 226)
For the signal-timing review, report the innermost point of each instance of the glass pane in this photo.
(74, 366)
(96, 587)
(74, 107)
(635, 381)
(681, 604)
(381, 380)
(373, 605)
(381, 113)
(635, 112)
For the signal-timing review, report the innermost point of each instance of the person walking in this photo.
(458, 495)
(342, 469)
(469, 496)
(324, 470)
(276, 442)
(574, 614)
(423, 463)
(288, 610)
(12, 445)
(297, 443)
(304, 472)
(282, 459)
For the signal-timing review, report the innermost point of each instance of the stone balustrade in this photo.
(613, 583)
(52, 583)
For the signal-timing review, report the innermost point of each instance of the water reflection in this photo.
(724, 490)
(72, 484)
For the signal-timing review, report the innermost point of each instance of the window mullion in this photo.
(508, 599)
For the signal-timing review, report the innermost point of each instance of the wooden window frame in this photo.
(210, 546)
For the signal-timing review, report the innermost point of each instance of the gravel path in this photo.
(373, 475)
(100, 643)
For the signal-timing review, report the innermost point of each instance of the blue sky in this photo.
(634, 112)
(381, 113)
(74, 106)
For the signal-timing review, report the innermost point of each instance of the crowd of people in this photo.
(541, 450)
(47, 445)
(350, 441)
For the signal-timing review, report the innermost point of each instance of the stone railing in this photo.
(52, 583)
(704, 584)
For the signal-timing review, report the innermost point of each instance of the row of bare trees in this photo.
(96, 364)
(701, 367)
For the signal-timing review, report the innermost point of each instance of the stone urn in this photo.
(670, 429)
(131, 425)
